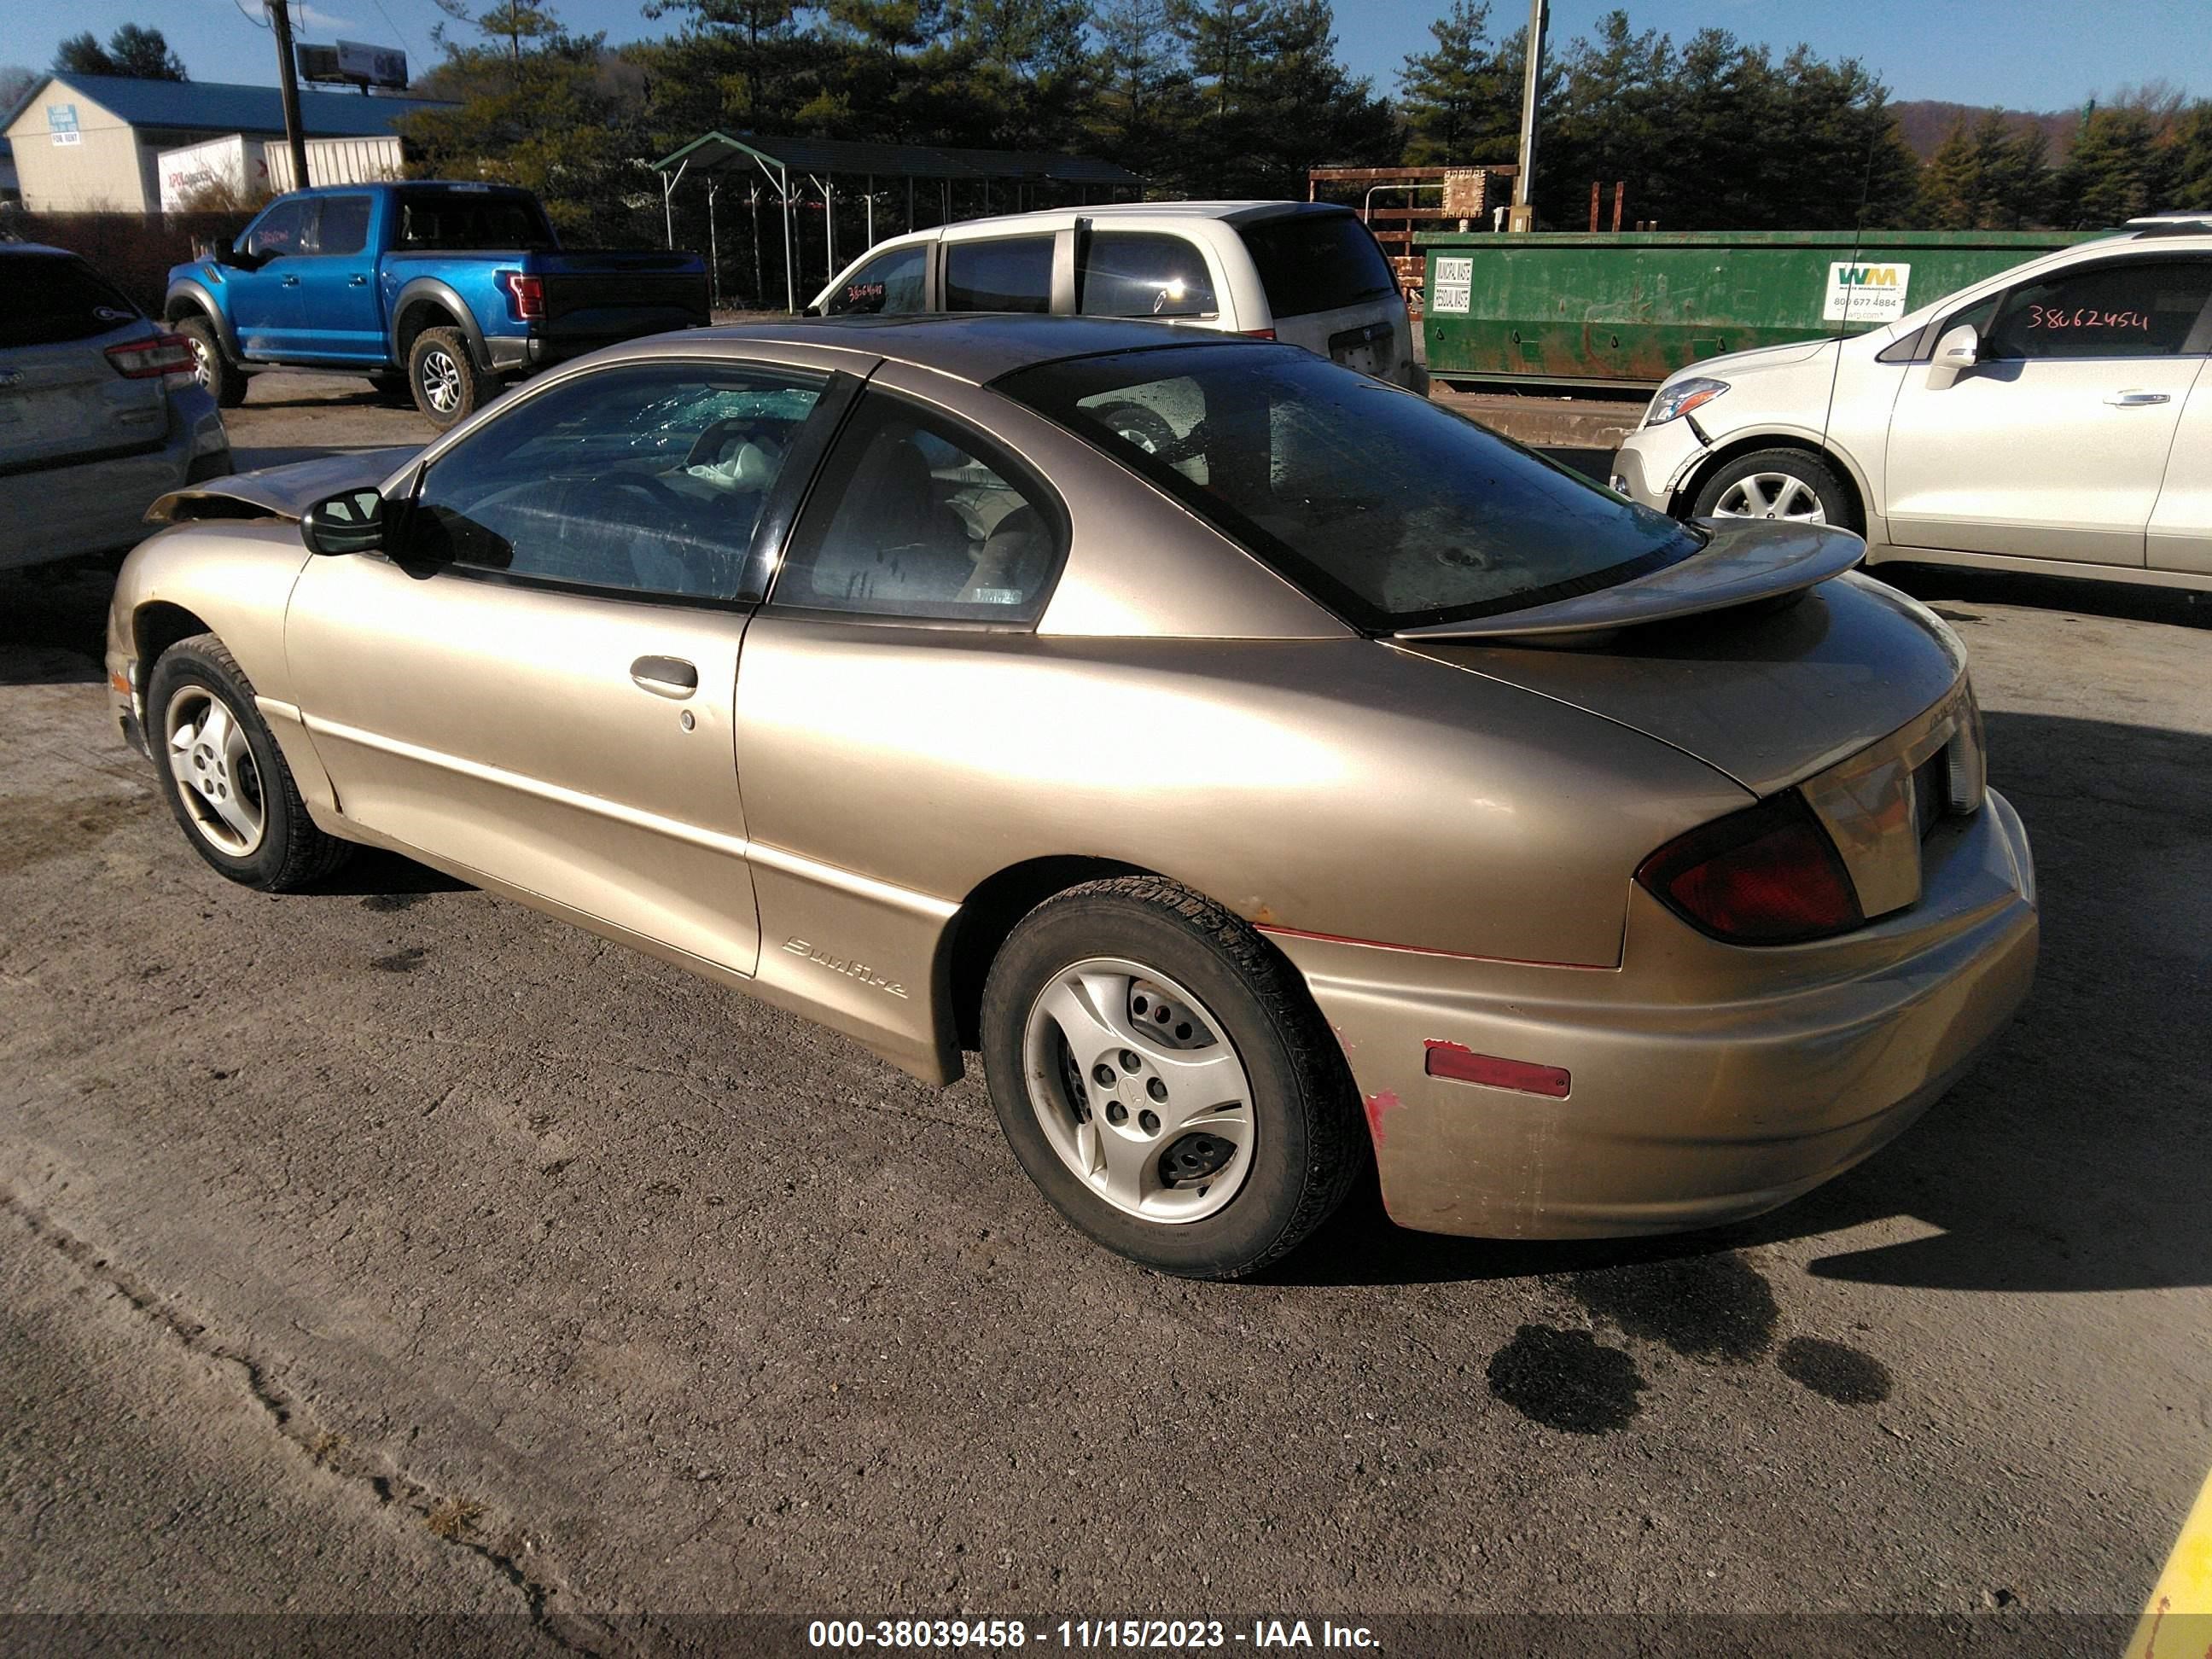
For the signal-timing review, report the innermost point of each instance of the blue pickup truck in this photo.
(436, 291)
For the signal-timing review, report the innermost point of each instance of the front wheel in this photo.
(443, 377)
(1790, 486)
(221, 771)
(1165, 1080)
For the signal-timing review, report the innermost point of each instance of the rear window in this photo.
(53, 297)
(454, 219)
(1311, 262)
(1387, 508)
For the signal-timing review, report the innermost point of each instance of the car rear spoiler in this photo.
(1747, 562)
(280, 492)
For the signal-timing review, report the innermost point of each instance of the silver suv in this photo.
(99, 411)
(1305, 272)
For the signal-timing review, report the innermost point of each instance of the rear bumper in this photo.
(97, 506)
(1689, 1105)
(516, 354)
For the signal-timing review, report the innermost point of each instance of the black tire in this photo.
(1311, 1145)
(392, 388)
(222, 377)
(1839, 507)
(440, 366)
(292, 851)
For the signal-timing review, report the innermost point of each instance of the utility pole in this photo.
(1524, 181)
(288, 79)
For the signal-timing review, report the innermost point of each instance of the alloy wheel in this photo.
(214, 767)
(1771, 495)
(1138, 1091)
(442, 380)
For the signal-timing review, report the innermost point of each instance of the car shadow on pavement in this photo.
(1933, 584)
(374, 873)
(2074, 1156)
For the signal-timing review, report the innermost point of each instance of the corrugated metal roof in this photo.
(713, 152)
(222, 106)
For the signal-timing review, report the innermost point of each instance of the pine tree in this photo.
(1460, 100)
(2114, 171)
(140, 54)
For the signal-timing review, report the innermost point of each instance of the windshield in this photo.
(461, 219)
(1387, 507)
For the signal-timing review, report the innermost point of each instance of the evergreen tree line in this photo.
(2147, 151)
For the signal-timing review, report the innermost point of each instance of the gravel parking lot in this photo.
(395, 1248)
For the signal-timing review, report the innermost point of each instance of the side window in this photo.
(342, 227)
(1013, 273)
(917, 516)
(644, 479)
(892, 284)
(277, 232)
(1132, 274)
(2121, 308)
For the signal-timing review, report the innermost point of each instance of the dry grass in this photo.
(449, 1517)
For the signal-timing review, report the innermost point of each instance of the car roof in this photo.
(977, 347)
(40, 248)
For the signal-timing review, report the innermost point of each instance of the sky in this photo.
(1967, 51)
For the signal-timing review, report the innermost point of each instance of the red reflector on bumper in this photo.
(1457, 1061)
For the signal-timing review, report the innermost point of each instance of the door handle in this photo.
(356, 281)
(291, 281)
(2135, 400)
(665, 676)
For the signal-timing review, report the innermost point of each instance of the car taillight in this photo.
(165, 356)
(1258, 333)
(525, 296)
(1767, 875)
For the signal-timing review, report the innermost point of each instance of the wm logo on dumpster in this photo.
(1864, 292)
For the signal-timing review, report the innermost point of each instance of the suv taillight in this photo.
(525, 296)
(168, 356)
(1767, 875)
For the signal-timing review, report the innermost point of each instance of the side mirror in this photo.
(1958, 351)
(229, 253)
(349, 523)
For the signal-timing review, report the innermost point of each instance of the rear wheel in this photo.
(443, 378)
(1164, 1078)
(1786, 485)
(224, 776)
(224, 379)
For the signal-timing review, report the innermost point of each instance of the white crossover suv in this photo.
(2055, 419)
(1306, 272)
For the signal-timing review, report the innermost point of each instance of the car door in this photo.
(2054, 445)
(260, 301)
(337, 316)
(537, 683)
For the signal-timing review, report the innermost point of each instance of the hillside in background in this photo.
(1927, 122)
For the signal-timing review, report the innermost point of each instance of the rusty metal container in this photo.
(1628, 309)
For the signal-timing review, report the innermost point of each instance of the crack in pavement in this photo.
(395, 1490)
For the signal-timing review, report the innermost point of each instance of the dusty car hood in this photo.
(280, 492)
(1769, 696)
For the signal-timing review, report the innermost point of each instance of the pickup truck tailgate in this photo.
(616, 295)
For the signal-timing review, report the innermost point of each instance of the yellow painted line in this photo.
(2177, 1621)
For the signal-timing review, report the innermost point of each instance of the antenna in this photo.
(1851, 290)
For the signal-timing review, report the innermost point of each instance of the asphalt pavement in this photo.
(395, 1250)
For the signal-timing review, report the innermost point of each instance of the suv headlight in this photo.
(1679, 397)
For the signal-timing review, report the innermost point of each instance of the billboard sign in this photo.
(61, 121)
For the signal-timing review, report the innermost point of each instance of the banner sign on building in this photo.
(61, 121)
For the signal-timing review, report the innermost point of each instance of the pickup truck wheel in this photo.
(447, 385)
(210, 367)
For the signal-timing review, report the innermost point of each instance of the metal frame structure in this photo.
(820, 162)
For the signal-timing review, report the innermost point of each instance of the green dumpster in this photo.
(1569, 308)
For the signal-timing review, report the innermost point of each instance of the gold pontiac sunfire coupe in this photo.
(1256, 763)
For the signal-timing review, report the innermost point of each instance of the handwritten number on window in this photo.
(2086, 317)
